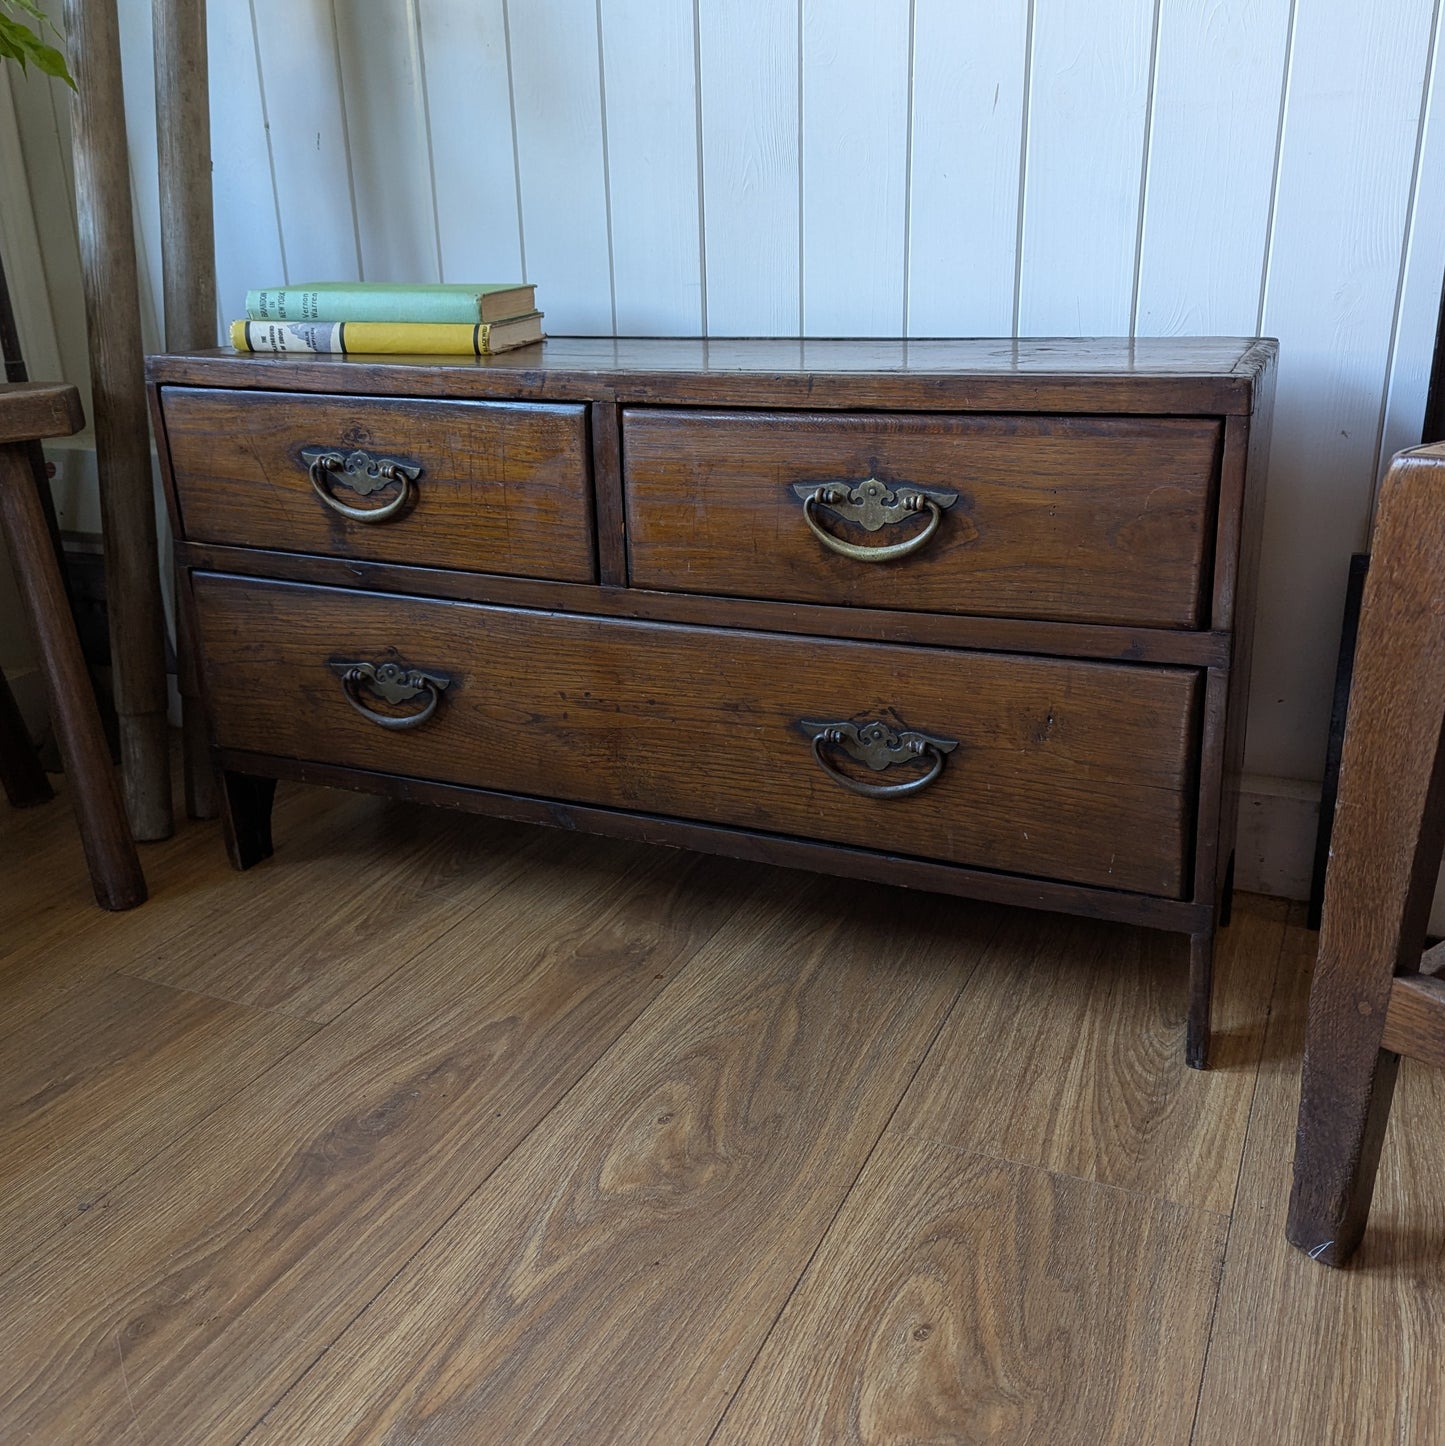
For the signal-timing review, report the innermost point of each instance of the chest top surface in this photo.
(1216, 375)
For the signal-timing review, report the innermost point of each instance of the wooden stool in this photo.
(1373, 998)
(29, 411)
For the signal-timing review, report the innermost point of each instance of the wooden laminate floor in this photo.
(439, 1130)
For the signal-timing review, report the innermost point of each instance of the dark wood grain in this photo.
(1204, 376)
(959, 1298)
(665, 1213)
(1084, 519)
(1054, 756)
(1388, 838)
(1000, 635)
(503, 488)
(95, 795)
(163, 1306)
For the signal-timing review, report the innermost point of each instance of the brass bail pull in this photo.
(879, 746)
(363, 473)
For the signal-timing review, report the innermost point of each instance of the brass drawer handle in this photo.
(872, 505)
(363, 474)
(879, 746)
(397, 685)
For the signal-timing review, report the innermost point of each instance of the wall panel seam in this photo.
(908, 167)
(701, 194)
(802, 269)
(270, 151)
(1284, 85)
(1144, 171)
(431, 164)
(346, 141)
(1027, 102)
(606, 168)
(1411, 215)
(516, 154)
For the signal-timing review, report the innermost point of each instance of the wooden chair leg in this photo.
(1343, 1115)
(21, 775)
(115, 870)
(1388, 836)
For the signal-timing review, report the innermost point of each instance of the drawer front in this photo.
(1073, 519)
(1056, 768)
(499, 487)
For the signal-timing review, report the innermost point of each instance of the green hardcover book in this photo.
(461, 303)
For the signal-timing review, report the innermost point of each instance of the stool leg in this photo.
(115, 870)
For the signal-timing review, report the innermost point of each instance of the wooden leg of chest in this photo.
(246, 817)
(1201, 987)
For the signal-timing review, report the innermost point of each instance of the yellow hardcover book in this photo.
(389, 338)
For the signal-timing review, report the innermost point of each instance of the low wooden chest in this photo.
(971, 616)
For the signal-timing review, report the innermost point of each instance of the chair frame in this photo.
(1374, 997)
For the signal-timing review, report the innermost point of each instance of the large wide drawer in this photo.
(1058, 768)
(498, 487)
(1075, 519)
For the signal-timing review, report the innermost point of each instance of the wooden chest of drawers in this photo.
(968, 616)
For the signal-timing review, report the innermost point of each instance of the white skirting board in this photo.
(1275, 846)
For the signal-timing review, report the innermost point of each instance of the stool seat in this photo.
(30, 412)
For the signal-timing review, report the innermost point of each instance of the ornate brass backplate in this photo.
(873, 504)
(363, 472)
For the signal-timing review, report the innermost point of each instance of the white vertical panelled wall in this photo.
(874, 168)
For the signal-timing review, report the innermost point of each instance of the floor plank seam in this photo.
(467, 910)
(481, 1184)
(1238, 1179)
(847, 1194)
(102, 1200)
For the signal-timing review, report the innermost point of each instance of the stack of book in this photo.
(461, 319)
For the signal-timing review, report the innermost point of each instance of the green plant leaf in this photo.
(20, 43)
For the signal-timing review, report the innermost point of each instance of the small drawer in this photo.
(494, 487)
(1049, 767)
(1069, 519)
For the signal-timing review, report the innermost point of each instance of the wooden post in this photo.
(188, 262)
(122, 439)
